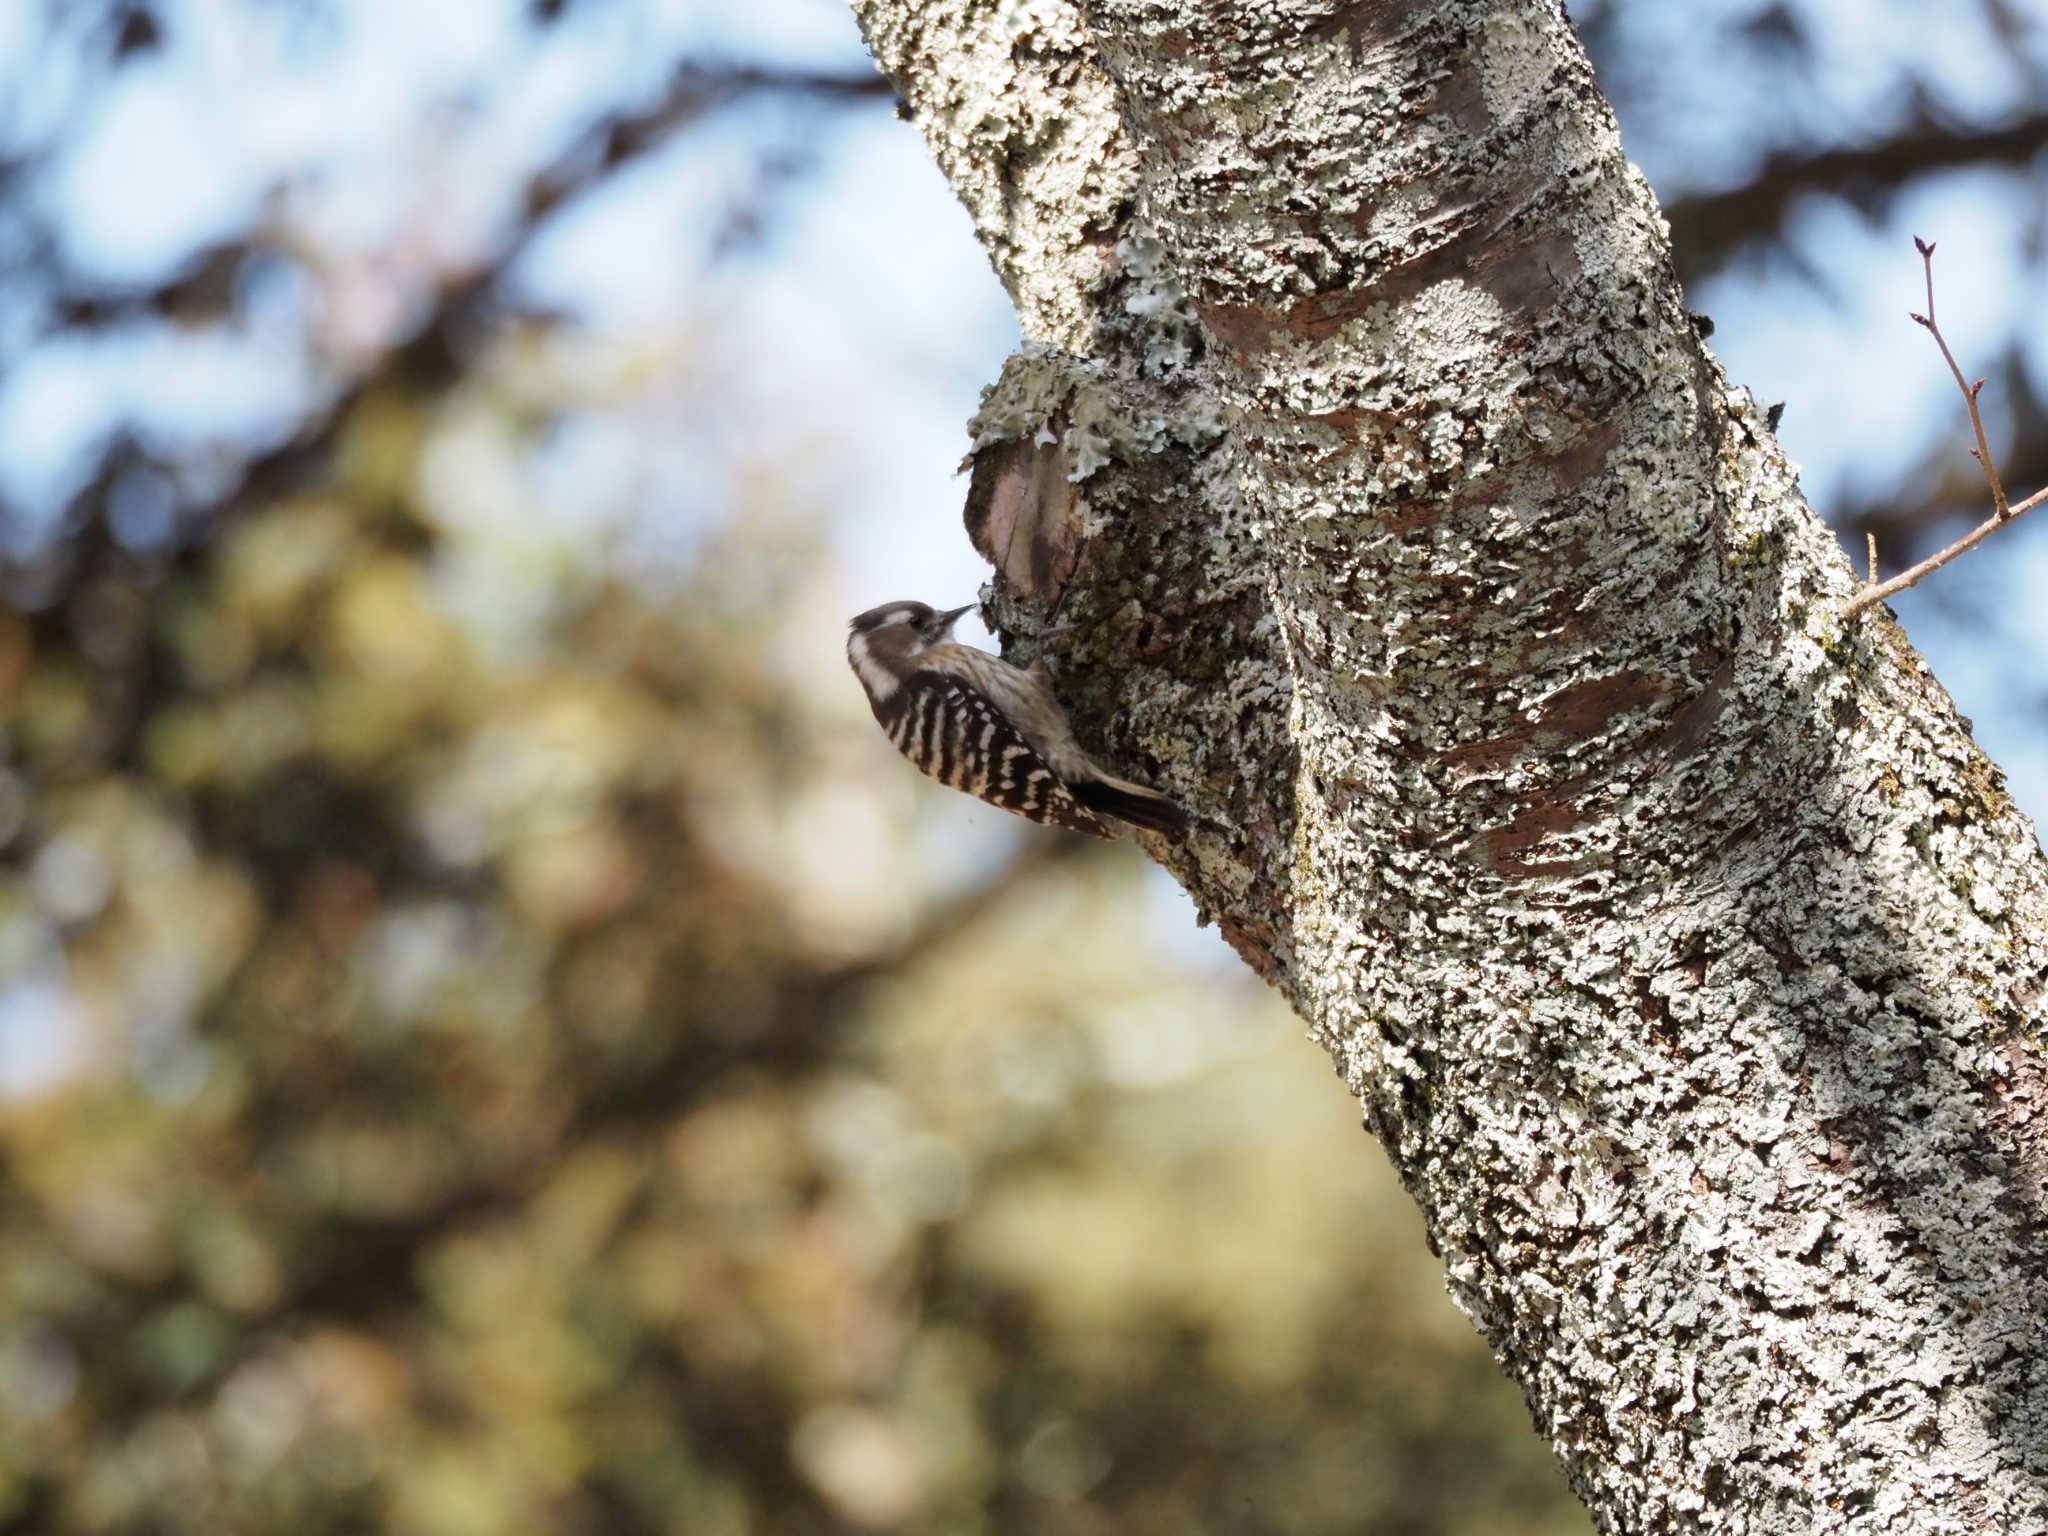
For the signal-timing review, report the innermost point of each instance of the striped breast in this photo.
(956, 735)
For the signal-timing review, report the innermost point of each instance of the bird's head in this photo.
(884, 643)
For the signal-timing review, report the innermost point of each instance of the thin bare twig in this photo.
(1982, 452)
(1870, 535)
(1934, 562)
(2002, 511)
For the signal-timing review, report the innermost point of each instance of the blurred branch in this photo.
(693, 90)
(1707, 231)
(86, 553)
(202, 285)
(800, 1035)
(369, 1267)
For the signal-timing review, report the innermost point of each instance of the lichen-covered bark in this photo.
(1682, 947)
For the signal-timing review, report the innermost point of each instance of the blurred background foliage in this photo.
(492, 1038)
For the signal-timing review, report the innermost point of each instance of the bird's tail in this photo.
(1134, 803)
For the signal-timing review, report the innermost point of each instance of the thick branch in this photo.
(1683, 950)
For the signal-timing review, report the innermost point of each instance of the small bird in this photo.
(979, 724)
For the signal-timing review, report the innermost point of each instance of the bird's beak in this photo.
(948, 620)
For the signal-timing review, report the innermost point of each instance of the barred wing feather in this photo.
(958, 737)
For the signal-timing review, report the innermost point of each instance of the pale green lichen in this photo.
(1082, 405)
(1154, 297)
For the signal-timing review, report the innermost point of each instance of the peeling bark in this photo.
(1681, 946)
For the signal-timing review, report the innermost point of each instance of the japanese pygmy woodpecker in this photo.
(975, 722)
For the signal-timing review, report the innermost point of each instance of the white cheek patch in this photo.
(879, 681)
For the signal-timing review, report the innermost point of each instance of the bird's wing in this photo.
(956, 735)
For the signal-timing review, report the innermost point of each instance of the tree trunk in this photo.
(1682, 947)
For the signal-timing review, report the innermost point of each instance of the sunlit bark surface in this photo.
(1685, 952)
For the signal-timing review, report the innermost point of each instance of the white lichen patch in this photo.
(1518, 60)
(1052, 397)
(1155, 298)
